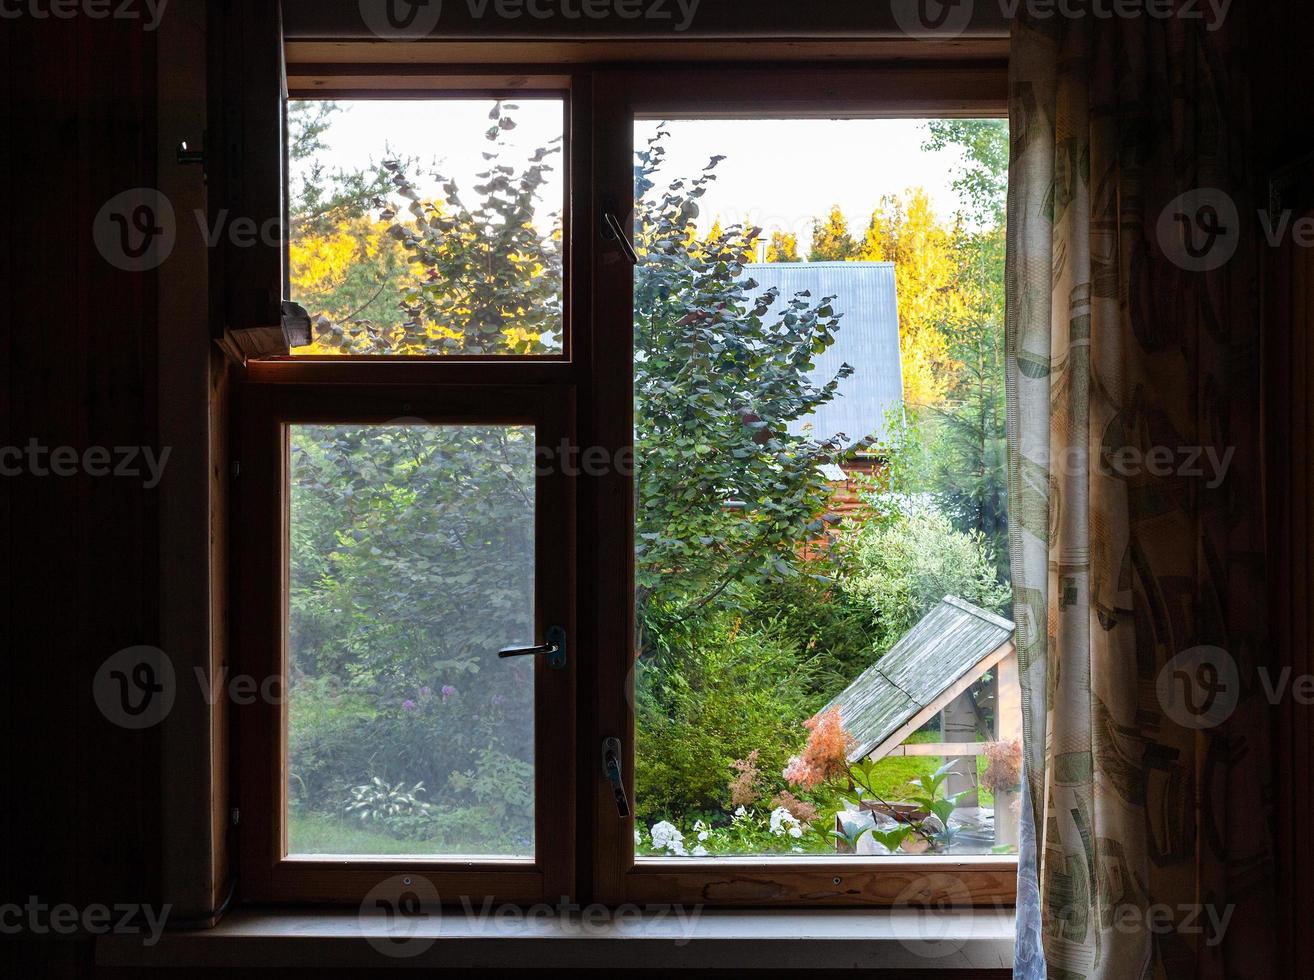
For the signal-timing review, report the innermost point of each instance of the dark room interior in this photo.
(657, 486)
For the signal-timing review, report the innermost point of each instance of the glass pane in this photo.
(412, 563)
(823, 658)
(427, 227)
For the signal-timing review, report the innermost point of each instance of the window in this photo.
(485, 503)
(427, 227)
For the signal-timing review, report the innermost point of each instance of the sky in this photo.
(778, 174)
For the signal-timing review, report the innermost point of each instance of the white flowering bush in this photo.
(749, 831)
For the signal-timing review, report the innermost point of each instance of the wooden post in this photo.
(1008, 728)
(958, 724)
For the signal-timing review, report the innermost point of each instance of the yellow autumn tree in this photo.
(904, 230)
(352, 270)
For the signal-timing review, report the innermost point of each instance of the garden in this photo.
(757, 603)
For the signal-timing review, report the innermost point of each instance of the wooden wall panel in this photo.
(1283, 144)
(80, 797)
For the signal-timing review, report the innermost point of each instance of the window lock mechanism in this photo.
(611, 768)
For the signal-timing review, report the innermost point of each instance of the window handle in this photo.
(611, 768)
(613, 230)
(555, 648)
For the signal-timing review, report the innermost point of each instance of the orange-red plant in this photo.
(826, 753)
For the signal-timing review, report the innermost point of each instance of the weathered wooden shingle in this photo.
(951, 642)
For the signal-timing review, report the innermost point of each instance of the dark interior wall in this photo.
(1284, 149)
(80, 798)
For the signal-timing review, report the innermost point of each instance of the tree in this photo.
(913, 558)
(971, 464)
(726, 494)
(905, 230)
(983, 178)
(450, 278)
(783, 247)
(342, 265)
(831, 241)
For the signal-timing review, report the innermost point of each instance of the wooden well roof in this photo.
(935, 661)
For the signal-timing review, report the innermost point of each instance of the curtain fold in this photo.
(1134, 495)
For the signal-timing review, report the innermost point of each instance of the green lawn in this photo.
(314, 833)
(894, 773)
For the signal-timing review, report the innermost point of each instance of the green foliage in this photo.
(342, 269)
(381, 803)
(733, 689)
(908, 561)
(983, 180)
(828, 625)
(726, 495)
(319, 199)
(493, 280)
(407, 541)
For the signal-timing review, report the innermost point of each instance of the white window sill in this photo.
(980, 939)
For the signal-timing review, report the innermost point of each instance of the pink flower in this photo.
(448, 691)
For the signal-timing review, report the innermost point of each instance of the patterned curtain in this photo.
(1134, 493)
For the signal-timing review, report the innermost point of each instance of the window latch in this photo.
(614, 231)
(554, 648)
(611, 768)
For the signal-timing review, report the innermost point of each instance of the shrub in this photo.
(827, 624)
(722, 691)
(911, 559)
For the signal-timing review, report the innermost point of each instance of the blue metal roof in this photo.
(867, 339)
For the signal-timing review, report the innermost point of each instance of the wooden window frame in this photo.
(709, 93)
(592, 857)
(268, 409)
